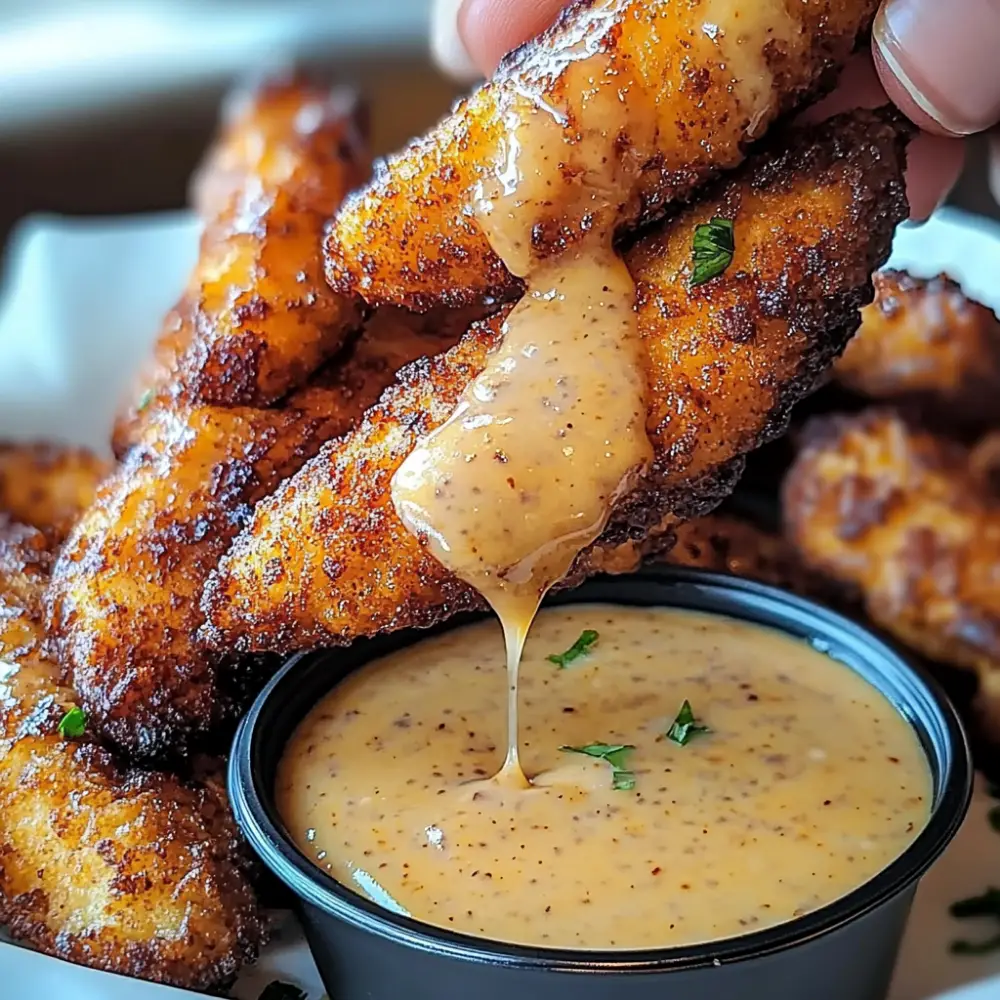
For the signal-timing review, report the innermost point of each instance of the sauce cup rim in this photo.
(947, 752)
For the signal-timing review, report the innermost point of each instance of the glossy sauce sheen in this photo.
(808, 785)
(527, 470)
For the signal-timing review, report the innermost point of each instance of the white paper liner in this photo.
(82, 303)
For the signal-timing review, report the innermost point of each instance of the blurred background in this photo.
(106, 105)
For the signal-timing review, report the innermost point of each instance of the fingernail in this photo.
(946, 55)
(447, 47)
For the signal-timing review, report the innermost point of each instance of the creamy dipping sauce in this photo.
(808, 784)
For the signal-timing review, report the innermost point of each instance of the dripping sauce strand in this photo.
(525, 473)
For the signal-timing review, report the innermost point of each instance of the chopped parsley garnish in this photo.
(73, 723)
(622, 779)
(714, 245)
(685, 727)
(986, 904)
(581, 647)
(144, 400)
(282, 991)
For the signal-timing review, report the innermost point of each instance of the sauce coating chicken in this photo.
(680, 88)
(326, 559)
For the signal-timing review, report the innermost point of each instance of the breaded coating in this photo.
(257, 317)
(670, 100)
(724, 543)
(48, 485)
(326, 559)
(123, 870)
(126, 589)
(926, 347)
(896, 516)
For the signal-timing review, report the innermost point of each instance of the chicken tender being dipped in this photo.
(326, 558)
(639, 101)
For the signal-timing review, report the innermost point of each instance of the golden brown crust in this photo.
(898, 517)
(925, 346)
(126, 588)
(257, 317)
(48, 485)
(409, 240)
(124, 870)
(325, 559)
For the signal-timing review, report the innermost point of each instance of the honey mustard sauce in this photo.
(788, 782)
(527, 470)
(524, 474)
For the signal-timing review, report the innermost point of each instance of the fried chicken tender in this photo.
(326, 559)
(48, 485)
(646, 80)
(925, 346)
(257, 317)
(723, 543)
(123, 870)
(126, 588)
(898, 517)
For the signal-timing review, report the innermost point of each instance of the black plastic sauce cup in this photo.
(844, 951)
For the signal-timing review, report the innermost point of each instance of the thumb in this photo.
(939, 61)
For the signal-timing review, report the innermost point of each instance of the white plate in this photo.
(83, 302)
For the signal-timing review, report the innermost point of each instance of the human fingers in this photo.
(470, 37)
(933, 162)
(939, 62)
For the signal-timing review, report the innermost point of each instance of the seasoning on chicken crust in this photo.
(126, 588)
(257, 317)
(673, 101)
(123, 870)
(326, 559)
(925, 346)
(897, 516)
(48, 485)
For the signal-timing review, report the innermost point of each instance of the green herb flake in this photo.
(685, 727)
(581, 647)
(714, 246)
(987, 904)
(73, 723)
(282, 991)
(144, 400)
(622, 779)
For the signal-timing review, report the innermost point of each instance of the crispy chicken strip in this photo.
(126, 589)
(257, 318)
(897, 516)
(132, 872)
(48, 485)
(326, 559)
(672, 90)
(923, 345)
